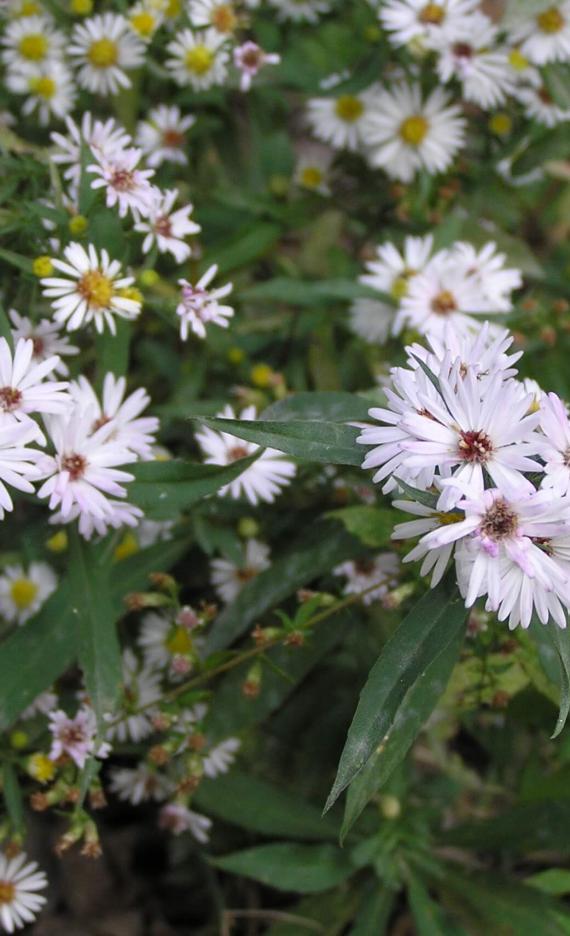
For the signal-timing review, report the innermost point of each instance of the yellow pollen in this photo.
(224, 18)
(22, 592)
(311, 177)
(179, 641)
(33, 47)
(432, 13)
(199, 60)
(517, 60)
(144, 23)
(103, 53)
(551, 20)
(7, 892)
(96, 289)
(41, 768)
(44, 87)
(413, 129)
(349, 108)
(500, 124)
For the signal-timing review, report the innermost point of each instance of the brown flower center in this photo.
(475, 446)
(444, 303)
(432, 14)
(173, 138)
(122, 180)
(163, 227)
(75, 465)
(245, 575)
(463, 50)
(500, 522)
(10, 399)
(7, 892)
(237, 452)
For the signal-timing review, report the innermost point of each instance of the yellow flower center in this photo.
(173, 8)
(7, 892)
(444, 303)
(41, 768)
(349, 108)
(500, 124)
(199, 60)
(103, 53)
(432, 13)
(413, 129)
(311, 177)
(33, 47)
(127, 547)
(551, 20)
(96, 289)
(22, 592)
(144, 23)
(399, 287)
(517, 60)
(44, 87)
(179, 641)
(30, 8)
(452, 517)
(224, 18)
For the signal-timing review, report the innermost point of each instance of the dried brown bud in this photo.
(250, 689)
(92, 850)
(196, 742)
(39, 802)
(97, 798)
(295, 639)
(500, 700)
(158, 755)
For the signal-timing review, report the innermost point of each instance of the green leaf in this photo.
(263, 807)
(112, 351)
(371, 525)
(87, 195)
(306, 869)
(6, 328)
(321, 548)
(16, 260)
(164, 488)
(13, 797)
(105, 232)
(561, 641)
(375, 912)
(422, 497)
(310, 293)
(429, 918)
(318, 441)
(551, 145)
(98, 644)
(245, 248)
(557, 80)
(424, 634)
(554, 881)
(328, 406)
(416, 707)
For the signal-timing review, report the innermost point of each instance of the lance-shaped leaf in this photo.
(306, 869)
(331, 406)
(421, 637)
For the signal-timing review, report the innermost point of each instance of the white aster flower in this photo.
(404, 133)
(176, 818)
(221, 15)
(313, 167)
(342, 121)
(417, 21)
(198, 59)
(24, 591)
(167, 228)
(50, 90)
(18, 463)
(46, 338)
(90, 291)
(118, 514)
(543, 36)
(121, 415)
(435, 559)
(150, 532)
(249, 59)
(264, 479)
(162, 135)
(24, 389)
(555, 451)
(220, 758)
(299, 10)
(126, 186)
(473, 57)
(31, 40)
(200, 306)
(162, 640)
(76, 737)
(539, 105)
(144, 20)
(228, 578)
(103, 137)
(371, 320)
(378, 573)
(483, 353)
(19, 885)
(140, 784)
(104, 48)
(141, 688)
(486, 267)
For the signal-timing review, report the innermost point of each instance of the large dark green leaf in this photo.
(164, 488)
(263, 807)
(412, 714)
(371, 525)
(557, 80)
(310, 292)
(561, 641)
(329, 406)
(374, 915)
(421, 637)
(319, 441)
(306, 869)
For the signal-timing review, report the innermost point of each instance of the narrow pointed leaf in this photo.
(561, 640)
(306, 869)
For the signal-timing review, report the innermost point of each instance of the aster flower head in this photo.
(76, 737)
(249, 59)
(105, 48)
(199, 59)
(486, 267)
(49, 89)
(219, 14)
(313, 167)
(141, 688)
(200, 306)
(103, 137)
(220, 758)
(163, 641)
(539, 105)
(404, 133)
(24, 591)
(47, 340)
(542, 35)
(144, 19)
(126, 186)
(140, 784)
(121, 415)
(300, 10)
(375, 575)
(392, 271)
(168, 228)
(20, 883)
(264, 479)
(341, 121)
(31, 40)
(91, 290)
(471, 55)
(162, 135)
(177, 818)
(24, 389)
(484, 353)
(18, 462)
(555, 452)
(228, 578)
(416, 21)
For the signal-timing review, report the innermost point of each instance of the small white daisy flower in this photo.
(104, 138)
(313, 167)
(555, 453)
(220, 758)
(75, 736)
(118, 514)
(46, 338)
(299, 10)
(362, 574)
(176, 818)
(199, 59)
(392, 271)
(249, 59)
(18, 463)
(104, 48)
(162, 640)
(473, 57)
(264, 479)
(486, 268)
(167, 228)
(121, 415)
(228, 578)
(162, 135)
(404, 133)
(340, 121)
(141, 688)
(24, 389)
(545, 35)
(415, 21)
(20, 882)
(31, 40)
(140, 784)
(50, 90)
(24, 591)
(539, 105)
(200, 306)
(90, 291)
(126, 186)
(144, 20)
(221, 15)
